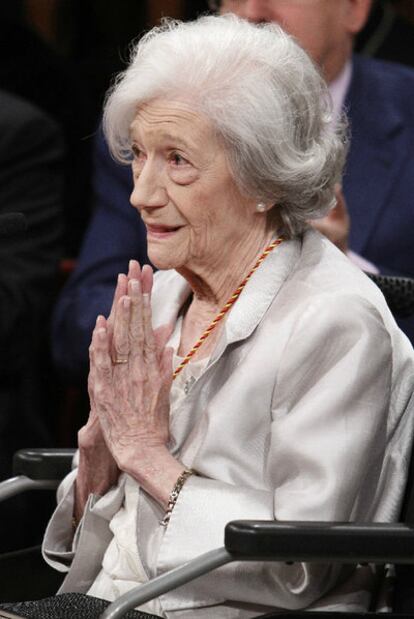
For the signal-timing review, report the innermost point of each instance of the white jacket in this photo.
(299, 415)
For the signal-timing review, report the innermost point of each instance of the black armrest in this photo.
(263, 540)
(398, 292)
(320, 541)
(45, 464)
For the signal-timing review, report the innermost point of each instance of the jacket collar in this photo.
(260, 291)
(171, 291)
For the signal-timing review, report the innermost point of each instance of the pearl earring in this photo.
(261, 207)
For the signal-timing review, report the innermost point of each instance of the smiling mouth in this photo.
(161, 230)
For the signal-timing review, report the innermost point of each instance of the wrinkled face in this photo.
(183, 188)
(324, 28)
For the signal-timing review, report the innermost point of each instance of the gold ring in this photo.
(116, 361)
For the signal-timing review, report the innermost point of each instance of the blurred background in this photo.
(61, 56)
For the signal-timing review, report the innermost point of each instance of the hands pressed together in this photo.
(129, 385)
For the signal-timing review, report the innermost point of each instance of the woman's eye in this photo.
(138, 154)
(177, 159)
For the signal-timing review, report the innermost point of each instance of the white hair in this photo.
(263, 97)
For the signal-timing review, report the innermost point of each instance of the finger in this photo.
(134, 271)
(136, 325)
(103, 378)
(100, 323)
(101, 360)
(147, 279)
(150, 346)
(166, 371)
(120, 340)
(120, 291)
(166, 366)
(91, 375)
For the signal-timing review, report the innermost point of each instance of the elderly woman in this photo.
(261, 372)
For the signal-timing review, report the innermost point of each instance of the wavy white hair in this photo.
(262, 95)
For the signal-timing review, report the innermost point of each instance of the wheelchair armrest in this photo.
(320, 541)
(262, 540)
(43, 464)
(37, 469)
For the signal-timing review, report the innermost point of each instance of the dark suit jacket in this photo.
(31, 183)
(30, 69)
(378, 186)
(379, 176)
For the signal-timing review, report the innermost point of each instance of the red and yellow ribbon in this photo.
(226, 307)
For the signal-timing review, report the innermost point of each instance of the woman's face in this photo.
(184, 190)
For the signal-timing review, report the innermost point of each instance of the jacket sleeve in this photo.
(83, 549)
(328, 424)
(115, 235)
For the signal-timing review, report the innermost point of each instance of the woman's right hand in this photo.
(97, 470)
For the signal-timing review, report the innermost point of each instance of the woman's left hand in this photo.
(133, 374)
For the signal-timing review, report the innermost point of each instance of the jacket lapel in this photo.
(171, 291)
(258, 294)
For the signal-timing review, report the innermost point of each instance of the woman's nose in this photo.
(149, 190)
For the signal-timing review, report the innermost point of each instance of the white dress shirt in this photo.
(338, 89)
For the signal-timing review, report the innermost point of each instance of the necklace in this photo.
(226, 307)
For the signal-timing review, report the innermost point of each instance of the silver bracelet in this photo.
(174, 495)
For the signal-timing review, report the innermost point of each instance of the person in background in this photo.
(31, 182)
(374, 221)
(32, 69)
(259, 371)
(376, 98)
